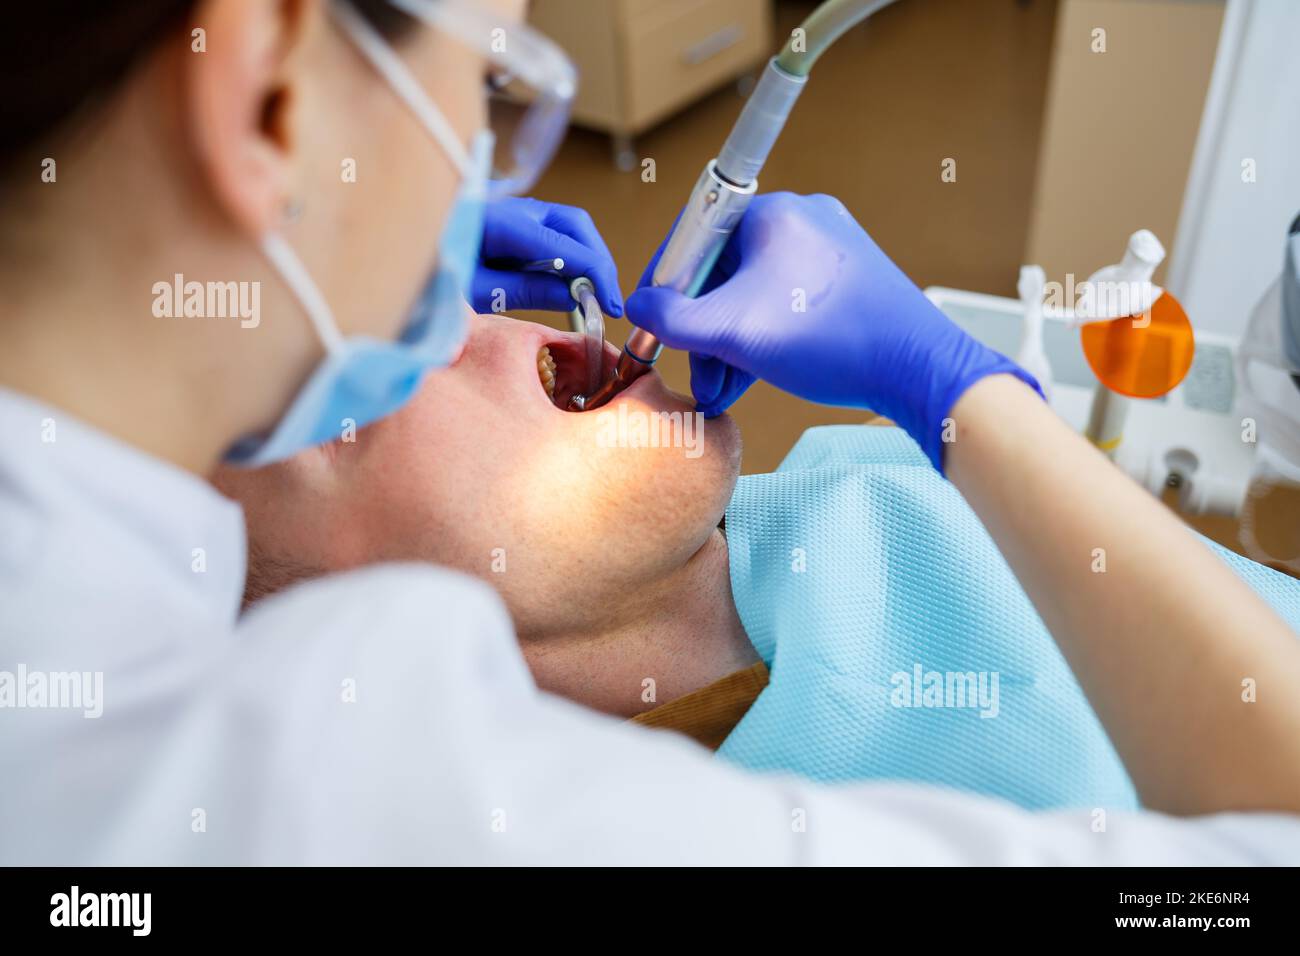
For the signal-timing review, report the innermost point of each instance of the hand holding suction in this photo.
(517, 234)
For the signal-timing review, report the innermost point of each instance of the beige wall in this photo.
(1120, 127)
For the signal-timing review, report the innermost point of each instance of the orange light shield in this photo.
(1141, 358)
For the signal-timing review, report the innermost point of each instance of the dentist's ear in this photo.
(242, 98)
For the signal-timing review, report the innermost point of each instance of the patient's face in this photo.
(483, 473)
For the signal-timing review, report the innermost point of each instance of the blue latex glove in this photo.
(520, 230)
(803, 298)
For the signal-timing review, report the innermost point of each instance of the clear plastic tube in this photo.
(824, 26)
(588, 319)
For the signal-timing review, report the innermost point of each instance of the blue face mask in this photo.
(362, 379)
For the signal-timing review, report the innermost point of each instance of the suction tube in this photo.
(823, 27)
(728, 183)
(764, 116)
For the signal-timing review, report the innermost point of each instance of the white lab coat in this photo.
(387, 716)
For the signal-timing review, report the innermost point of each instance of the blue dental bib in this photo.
(900, 645)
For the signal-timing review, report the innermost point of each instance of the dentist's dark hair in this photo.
(59, 58)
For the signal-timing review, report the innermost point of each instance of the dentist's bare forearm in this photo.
(1160, 633)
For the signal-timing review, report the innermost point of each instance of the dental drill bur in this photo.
(728, 183)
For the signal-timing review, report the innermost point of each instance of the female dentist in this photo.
(216, 218)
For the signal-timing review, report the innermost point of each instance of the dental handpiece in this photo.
(728, 184)
(710, 216)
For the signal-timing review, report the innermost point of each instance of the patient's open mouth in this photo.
(562, 369)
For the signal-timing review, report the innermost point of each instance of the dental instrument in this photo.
(728, 183)
(588, 320)
(545, 265)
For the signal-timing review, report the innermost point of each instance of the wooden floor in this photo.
(921, 82)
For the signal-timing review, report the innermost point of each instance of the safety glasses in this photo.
(530, 85)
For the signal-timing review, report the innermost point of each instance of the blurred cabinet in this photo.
(640, 61)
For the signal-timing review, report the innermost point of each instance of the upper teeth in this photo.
(546, 370)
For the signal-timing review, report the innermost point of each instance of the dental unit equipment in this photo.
(728, 183)
(1121, 290)
(1268, 369)
(1030, 356)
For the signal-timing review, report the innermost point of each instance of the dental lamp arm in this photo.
(1162, 639)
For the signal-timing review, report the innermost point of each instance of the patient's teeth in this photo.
(546, 370)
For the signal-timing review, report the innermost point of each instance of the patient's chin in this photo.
(672, 473)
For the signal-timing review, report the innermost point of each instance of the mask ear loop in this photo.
(300, 283)
(408, 89)
(390, 67)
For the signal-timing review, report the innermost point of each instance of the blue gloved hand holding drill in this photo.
(803, 298)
